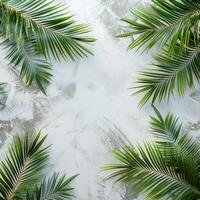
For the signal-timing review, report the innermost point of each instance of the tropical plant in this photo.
(22, 172)
(34, 32)
(165, 169)
(173, 26)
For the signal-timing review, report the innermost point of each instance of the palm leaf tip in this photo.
(23, 164)
(171, 136)
(167, 128)
(56, 187)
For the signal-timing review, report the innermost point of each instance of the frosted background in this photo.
(88, 110)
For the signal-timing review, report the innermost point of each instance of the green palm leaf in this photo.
(172, 25)
(165, 129)
(170, 74)
(152, 175)
(32, 67)
(166, 169)
(170, 136)
(22, 166)
(53, 29)
(35, 31)
(166, 22)
(55, 188)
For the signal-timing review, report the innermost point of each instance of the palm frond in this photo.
(35, 31)
(165, 129)
(48, 23)
(169, 74)
(22, 165)
(32, 67)
(167, 22)
(174, 26)
(56, 188)
(170, 136)
(154, 175)
(165, 169)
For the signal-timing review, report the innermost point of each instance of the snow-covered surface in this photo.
(88, 102)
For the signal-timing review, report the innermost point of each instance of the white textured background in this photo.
(87, 99)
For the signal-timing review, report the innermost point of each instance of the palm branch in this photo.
(47, 29)
(22, 165)
(32, 68)
(22, 172)
(56, 187)
(172, 25)
(165, 169)
(170, 74)
(171, 136)
(166, 22)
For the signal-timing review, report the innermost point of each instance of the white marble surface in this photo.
(87, 100)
